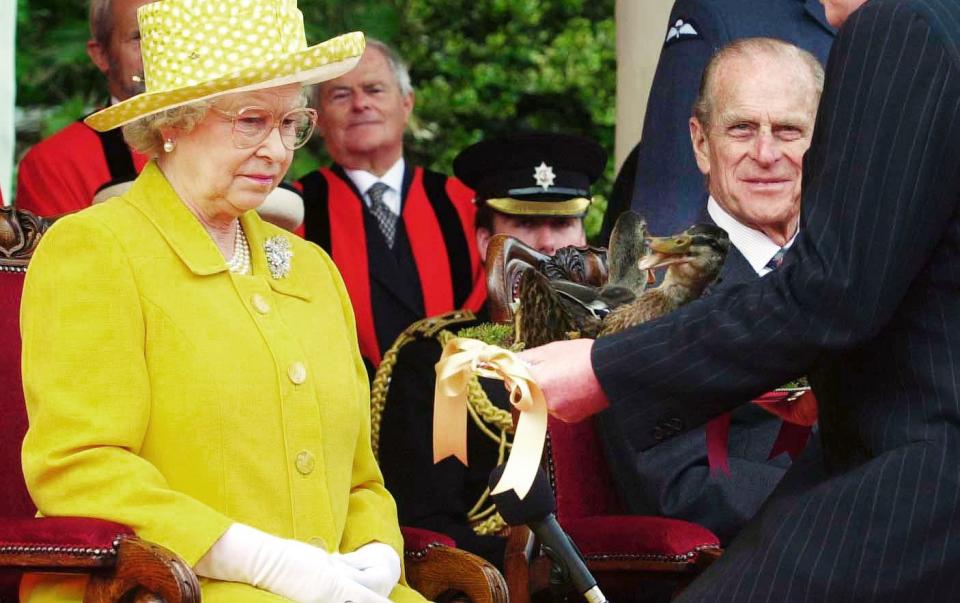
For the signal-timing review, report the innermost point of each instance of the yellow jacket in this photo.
(167, 394)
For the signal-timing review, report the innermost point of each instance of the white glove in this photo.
(289, 568)
(377, 565)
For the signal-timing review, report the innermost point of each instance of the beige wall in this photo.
(8, 19)
(641, 27)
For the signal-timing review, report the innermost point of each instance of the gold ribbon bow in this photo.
(461, 359)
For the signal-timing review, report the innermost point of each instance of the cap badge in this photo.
(543, 175)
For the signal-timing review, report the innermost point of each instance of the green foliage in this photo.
(493, 334)
(479, 69)
(495, 67)
(55, 78)
(52, 63)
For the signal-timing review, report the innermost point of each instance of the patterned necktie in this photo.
(776, 260)
(386, 218)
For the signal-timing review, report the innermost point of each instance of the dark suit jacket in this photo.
(393, 288)
(659, 179)
(867, 303)
(673, 479)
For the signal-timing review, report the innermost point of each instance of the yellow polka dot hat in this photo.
(198, 49)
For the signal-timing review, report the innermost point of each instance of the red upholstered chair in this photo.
(442, 572)
(122, 566)
(633, 557)
(624, 552)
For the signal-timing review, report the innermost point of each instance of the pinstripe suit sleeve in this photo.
(880, 182)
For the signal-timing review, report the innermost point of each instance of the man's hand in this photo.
(565, 374)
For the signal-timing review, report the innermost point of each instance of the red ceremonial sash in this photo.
(798, 416)
(462, 198)
(348, 241)
(429, 250)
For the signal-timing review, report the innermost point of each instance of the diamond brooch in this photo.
(279, 255)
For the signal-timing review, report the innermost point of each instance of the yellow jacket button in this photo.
(305, 462)
(260, 303)
(297, 373)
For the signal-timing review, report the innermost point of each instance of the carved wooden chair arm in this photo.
(119, 564)
(441, 572)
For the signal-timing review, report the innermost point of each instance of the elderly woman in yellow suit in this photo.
(191, 371)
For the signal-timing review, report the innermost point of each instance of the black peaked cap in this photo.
(531, 166)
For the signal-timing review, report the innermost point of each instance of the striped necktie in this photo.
(385, 218)
(776, 260)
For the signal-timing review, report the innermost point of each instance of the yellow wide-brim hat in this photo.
(199, 49)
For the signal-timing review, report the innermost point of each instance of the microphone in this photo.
(536, 511)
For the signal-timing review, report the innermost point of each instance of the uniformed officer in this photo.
(535, 187)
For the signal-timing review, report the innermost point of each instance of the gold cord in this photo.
(494, 422)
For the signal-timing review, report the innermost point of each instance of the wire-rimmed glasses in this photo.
(252, 125)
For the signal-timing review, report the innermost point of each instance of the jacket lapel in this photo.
(384, 266)
(153, 196)
(736, 270)
(258, 234)
(815, 11)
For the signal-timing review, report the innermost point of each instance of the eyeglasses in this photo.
(252, 125)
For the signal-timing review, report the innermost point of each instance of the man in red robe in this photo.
(401, 235)
(64, 172)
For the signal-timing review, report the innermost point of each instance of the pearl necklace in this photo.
(240, 262)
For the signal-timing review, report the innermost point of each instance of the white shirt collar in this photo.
(393, 178)
(755, 246)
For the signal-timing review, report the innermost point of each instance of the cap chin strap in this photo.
(568, 208)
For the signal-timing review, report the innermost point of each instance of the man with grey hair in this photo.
(401, 235)
(751, 125)
(659, 178)
(64, 172)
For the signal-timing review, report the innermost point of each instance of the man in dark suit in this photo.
(659, 179)
(401, 235)
(867, 303)
(753, 165)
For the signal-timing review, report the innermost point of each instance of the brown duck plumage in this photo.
(693, 259)
(551, 310)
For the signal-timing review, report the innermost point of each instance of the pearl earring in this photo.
(168, 145)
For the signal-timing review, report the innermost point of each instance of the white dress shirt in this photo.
(393, 178)
(755, 246)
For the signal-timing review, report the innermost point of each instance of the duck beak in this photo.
(665, 251)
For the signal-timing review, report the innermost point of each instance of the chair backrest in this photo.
(578, 469)
(581, 479)
(19, 234)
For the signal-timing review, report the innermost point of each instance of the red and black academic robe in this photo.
(62, 173)
(433, 268)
